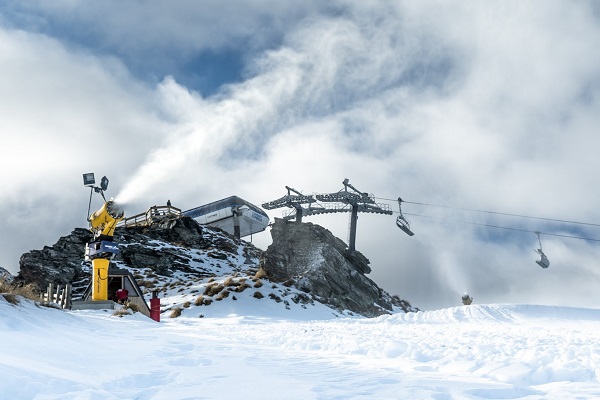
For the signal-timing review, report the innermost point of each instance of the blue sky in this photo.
(490, 106)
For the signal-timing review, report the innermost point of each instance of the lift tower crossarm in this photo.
(294, 201)
(359, 202)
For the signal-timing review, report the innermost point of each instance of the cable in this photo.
(495, 213)
(509, 228)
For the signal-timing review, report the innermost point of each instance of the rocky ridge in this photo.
(193, 266)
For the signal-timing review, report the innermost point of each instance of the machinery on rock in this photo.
(102, 248)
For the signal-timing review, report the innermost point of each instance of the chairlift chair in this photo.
(402, 222)
(543, 261)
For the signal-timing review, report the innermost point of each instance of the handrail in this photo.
(153, 215)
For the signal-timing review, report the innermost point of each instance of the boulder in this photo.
(61, 263)
(320, 264)
(5, 275)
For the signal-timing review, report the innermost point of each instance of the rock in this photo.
(5, 275)
(159, 249)
(181, 251)
(320, 264)
(61, 263)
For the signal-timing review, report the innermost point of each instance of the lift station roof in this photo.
(220, 214)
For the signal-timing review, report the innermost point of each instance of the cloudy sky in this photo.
(479, 105)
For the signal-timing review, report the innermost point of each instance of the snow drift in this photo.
(479, 351)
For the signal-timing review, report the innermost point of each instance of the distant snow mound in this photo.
(499, 313)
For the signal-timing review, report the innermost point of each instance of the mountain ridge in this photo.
(193, 267)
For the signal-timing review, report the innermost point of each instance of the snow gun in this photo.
(102, 249)
(104, 221)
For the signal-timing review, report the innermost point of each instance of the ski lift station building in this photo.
(233, 214)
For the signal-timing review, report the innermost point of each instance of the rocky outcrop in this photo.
(318, 263)
(181, 252)
(161, 250)
(61, 263)
(5, 275)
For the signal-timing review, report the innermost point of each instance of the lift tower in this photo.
(294, 201)
(358, 202)
(342, 201)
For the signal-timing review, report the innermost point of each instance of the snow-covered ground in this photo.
(263, 351)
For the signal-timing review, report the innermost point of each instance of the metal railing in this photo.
(153, 215)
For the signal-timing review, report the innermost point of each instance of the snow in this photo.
(260, 350)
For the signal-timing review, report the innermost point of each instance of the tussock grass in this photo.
(258, 295)
(261, 273)
(258, 284)
(229, 282)
(121, 312)
(132, 306)
(10, 291)
(213, 289)
(147, 284)
(242, 287)
(223, 295)
(199, 300)
(176, 312)
(11, 298)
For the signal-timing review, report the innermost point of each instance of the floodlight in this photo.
(88, 179)
(104, 183)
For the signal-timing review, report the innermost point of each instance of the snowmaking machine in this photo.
(102, 248)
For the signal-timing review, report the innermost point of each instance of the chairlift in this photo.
(543, 262)
(402, 222)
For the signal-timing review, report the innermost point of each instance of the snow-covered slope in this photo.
(478, 351)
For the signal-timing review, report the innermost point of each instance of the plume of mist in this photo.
(295, 84)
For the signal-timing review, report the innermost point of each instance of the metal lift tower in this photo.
(294, 201)
(342, 201)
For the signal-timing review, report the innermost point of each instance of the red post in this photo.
(155, 306)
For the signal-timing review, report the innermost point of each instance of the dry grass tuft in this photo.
(223, 295)
(187, 304)
(213, 289)
(176, 312)
(11, 298)
(229, 282)
(242, 287)
(258, 284)
(258, 295)
(147, 283)
(12, 290)
(132, 306)
(261, 273)
(199, 300)
(122, 312)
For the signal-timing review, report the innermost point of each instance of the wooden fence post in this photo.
(50, 292)
(67, 299)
